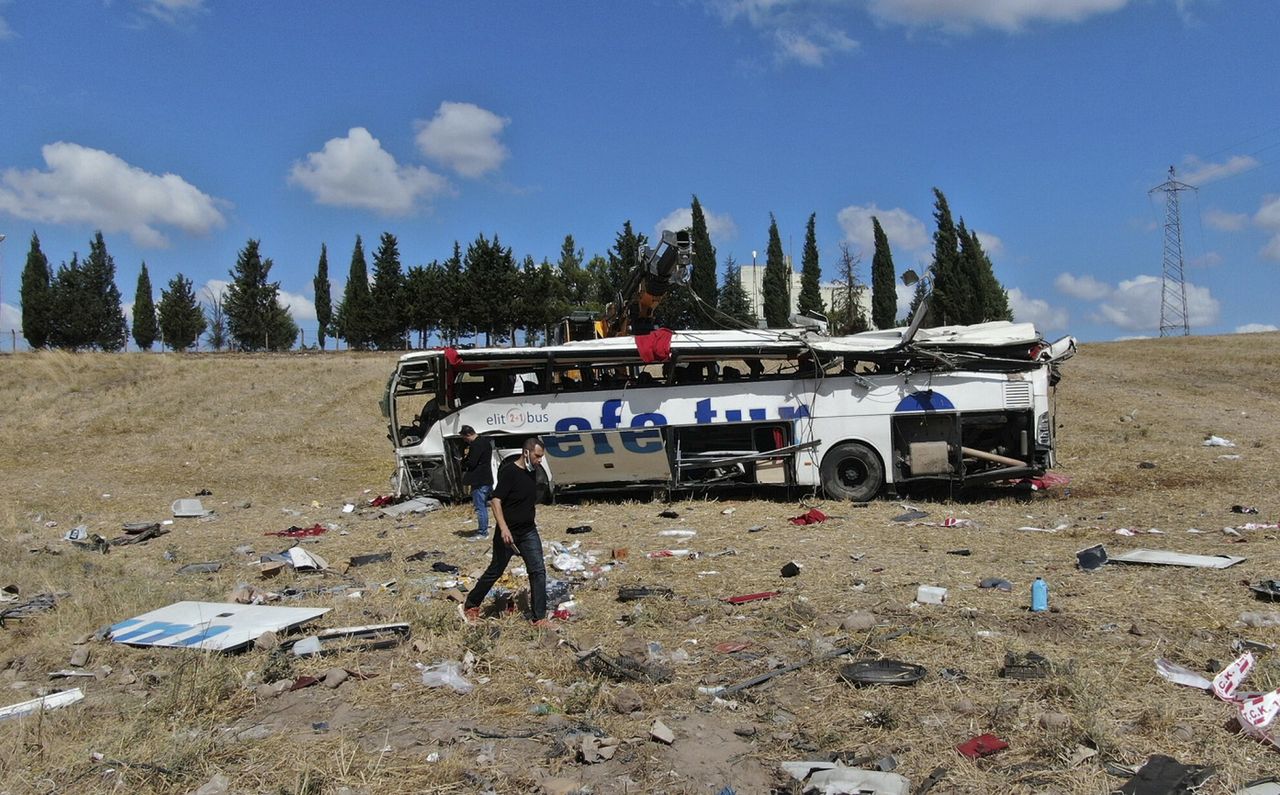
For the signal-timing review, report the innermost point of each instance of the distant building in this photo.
(752, 277)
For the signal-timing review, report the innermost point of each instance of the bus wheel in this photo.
(853, 472)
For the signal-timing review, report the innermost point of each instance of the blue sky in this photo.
(182, 128)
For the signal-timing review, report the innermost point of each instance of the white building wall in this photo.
(752, 277)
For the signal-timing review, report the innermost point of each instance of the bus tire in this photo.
(852, 472)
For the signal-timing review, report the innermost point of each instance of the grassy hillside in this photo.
(285, 440)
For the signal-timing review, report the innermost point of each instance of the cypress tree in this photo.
(324, 299)
(456, 300)
(387, 305)
(144, 312)
(624, 258)
(353, 313)
(181, 319)
(576, 281)
(255, 318)
(492, 280)
(71, 327)
(952, 294)
(775, 291)
(991, 301)
(37, 297)
(811, 272)
(102, 298)
(732, 299)
(884, 293)
(702, 278)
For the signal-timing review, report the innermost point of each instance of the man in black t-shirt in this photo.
(514, 506)
(477, 474)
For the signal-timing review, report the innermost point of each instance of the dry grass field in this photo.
(102, 440)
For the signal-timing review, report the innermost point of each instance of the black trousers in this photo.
(528, 547)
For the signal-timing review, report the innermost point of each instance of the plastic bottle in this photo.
(1039, 596)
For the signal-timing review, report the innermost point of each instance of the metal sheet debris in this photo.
(418, 505)
(51, 701)
(1166, 558)
(210, 626)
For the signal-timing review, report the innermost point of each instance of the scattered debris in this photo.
(910, 516)
(1163, 775)
(1243, 509)
(982, 745)
(833, 778)
(679, 532)
(931, 595)
(1166, 558)
(51, 701)
(40, 603)
(752, 597)
(210, 626)
(764, 677)
(964, 553)
(1267, 589)
(580, 529)
(139, 533)
(1092, 558)
(636, 592)
(364, 560)
(594, 749)
(814, 516)
(659, 731)
(881, 672)
(1025, 666)
(1217, 441)
(363, 638)
(996, 583)
(623, 668)
(416, 505)
(791, 569)
(299, 532)
(188, 508)
(445, 674)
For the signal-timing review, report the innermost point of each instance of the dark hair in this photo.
(467, 430)
(532, 442)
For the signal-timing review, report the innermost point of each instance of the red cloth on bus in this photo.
(452, 357)
(654, 346)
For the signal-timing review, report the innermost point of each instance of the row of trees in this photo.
(485, 291)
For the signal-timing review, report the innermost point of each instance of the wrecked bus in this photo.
(687, 410)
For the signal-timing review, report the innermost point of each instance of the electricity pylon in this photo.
(1173, 287)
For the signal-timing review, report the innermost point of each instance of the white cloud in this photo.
(172, 12)
(300, 306)
(719, 227)
(1268, 217)
(1038, 311)
(464, 138)
(1255, 328)
(1134, 305)
(813, 48)
(963, 16)
(218, 287)
(94, 187)
(356, 171)
(1198, 172)
(6, 32)
(991, 244)
(1086, 287)
(905, 232)
(10, 318)
(1225, 221)
(799, 31)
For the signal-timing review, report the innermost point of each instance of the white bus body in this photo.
(846, 415)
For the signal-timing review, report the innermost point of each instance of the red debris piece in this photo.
(303, 681)
(299, 532)
(982, 745)
(1046, 481)
(731, 646)
(752, 597)
(379, 501)
(814, 516)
